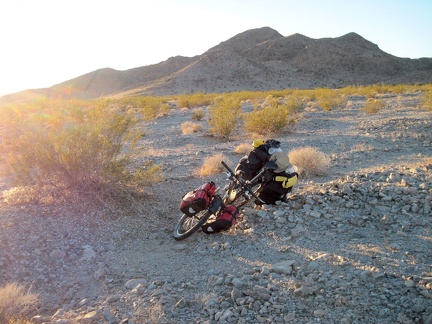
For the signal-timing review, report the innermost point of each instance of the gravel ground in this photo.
(354, 246)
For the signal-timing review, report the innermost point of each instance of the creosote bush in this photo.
(373, 106)
(309, 161)
(224, 116)
(79, 147)
(271, 118)
(212, 165)
(15, 301)
(194, 100)
(330, 99)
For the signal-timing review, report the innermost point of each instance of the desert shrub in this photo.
(71, 146)
(295, 102)
(309, 161)
(212, 165)
(224, 116)
(381, 88)
(330, 99)
(149, 173)
(349, 90)
(372, 106)
(190, 128)
(15, 301)
(426, 100)
(149, 107)
(367, 91)
(399, 88)
(243, 148)
(194, 100)
(164, 109)
(271, 118)
(198, 114)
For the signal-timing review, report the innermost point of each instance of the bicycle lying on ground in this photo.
(237, 193)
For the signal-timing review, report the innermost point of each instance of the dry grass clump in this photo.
(309, 161)
(15, 302)
(243, 149)
(373, 106)
(212, 165)
(190, 128)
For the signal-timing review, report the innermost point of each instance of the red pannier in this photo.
(223, 222)
(198, 199)
(229, 213)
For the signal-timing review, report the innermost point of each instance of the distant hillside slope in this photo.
(257, 59)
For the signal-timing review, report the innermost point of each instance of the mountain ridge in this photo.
(257, 60)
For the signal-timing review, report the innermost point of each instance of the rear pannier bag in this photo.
(198, 199)
(223, 222)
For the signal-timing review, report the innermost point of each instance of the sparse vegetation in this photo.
(76, 146)
(15, 301)
(309, 161)
(190, 128)
(195, 100)
(373, 106)
(330, 99)
(149, 107)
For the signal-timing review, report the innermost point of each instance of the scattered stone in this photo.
(284, 267)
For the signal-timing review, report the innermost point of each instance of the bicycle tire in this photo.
(241, 200)
(193, 223)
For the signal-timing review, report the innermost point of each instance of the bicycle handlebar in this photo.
(232, 173)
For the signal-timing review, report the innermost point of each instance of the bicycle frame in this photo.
(238, 193)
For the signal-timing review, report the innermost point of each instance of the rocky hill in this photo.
(257, 59)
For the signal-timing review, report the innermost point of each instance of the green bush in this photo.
(272, 117)
(224, 116)
(75, 146)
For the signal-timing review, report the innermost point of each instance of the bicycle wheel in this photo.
(242, 198)
(188, 225)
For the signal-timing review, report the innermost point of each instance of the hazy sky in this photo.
(45, 42)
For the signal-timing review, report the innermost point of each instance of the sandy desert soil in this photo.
(353, 246)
